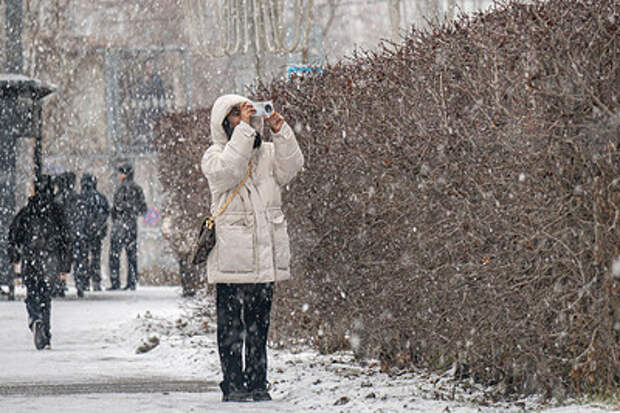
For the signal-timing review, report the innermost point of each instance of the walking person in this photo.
(252, 248)
(92, 223)
(127, 206)
(69, 200)
(40, 239)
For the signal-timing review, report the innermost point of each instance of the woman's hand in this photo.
(275, 122)
(247, 110)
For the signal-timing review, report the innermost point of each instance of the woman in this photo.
(252, 249)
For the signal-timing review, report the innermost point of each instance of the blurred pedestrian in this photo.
(92, 226)
(40, 240)
(152, 97)
(66, 196)
(252, 248)
(70, 201)
(59, 287)
(127, 206)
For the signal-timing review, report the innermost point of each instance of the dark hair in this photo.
(43, 186)
(229, 131)
(125, 169)
(70, 179)
(227, 128)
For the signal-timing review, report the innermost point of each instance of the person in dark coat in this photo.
(151, 98)
(69, 199)
(57, 182)
(40, 238)
(127, 206)
(92, 227)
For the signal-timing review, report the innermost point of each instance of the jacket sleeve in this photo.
(103, 213)
(105, 207)
(116, 199)
(16, 237)
(288, 157)
(141, 206)
(225, 168)
(66, 242)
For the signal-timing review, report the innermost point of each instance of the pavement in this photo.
(93, 364)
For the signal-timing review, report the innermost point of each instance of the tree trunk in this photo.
(394, 12)
(434, 11)
(451, 12)
(189, 276)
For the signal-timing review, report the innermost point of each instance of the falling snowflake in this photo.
(615, 268)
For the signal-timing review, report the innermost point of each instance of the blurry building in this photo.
(120, 64)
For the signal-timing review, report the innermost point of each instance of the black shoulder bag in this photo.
(206, 235)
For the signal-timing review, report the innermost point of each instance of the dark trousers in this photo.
(127, 240)
(243, 321)
(57, 286)
(88, 258)
(39, 301)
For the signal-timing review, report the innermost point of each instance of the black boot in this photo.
(40, 338)
(233, 394)
(261, 396)
(115, 286)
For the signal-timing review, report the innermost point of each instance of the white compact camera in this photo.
(263, 108)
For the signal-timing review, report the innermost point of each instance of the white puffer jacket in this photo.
(252, 241)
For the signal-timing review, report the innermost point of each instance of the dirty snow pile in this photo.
(337, 382)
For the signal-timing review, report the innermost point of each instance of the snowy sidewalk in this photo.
(93, 367)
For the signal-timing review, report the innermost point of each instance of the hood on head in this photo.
(69, 178)
(60, 183)
(43, 187)
(126, 170)
(221, 108)
(88, 181)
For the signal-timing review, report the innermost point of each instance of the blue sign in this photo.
(152, 217)
(302, 70)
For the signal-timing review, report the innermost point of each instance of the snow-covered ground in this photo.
(94, 366)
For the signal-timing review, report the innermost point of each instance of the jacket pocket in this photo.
(282, 248)
(235, 248)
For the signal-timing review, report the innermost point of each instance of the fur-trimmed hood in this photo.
(221, 108)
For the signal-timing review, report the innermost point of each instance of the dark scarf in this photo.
(229, 132)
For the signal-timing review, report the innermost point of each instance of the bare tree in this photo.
(53, 55)
(451, 12)
(394, 13)
(332, 6)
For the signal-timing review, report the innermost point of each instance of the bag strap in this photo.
(211, 220)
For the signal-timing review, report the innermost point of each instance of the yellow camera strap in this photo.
(211, 220)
